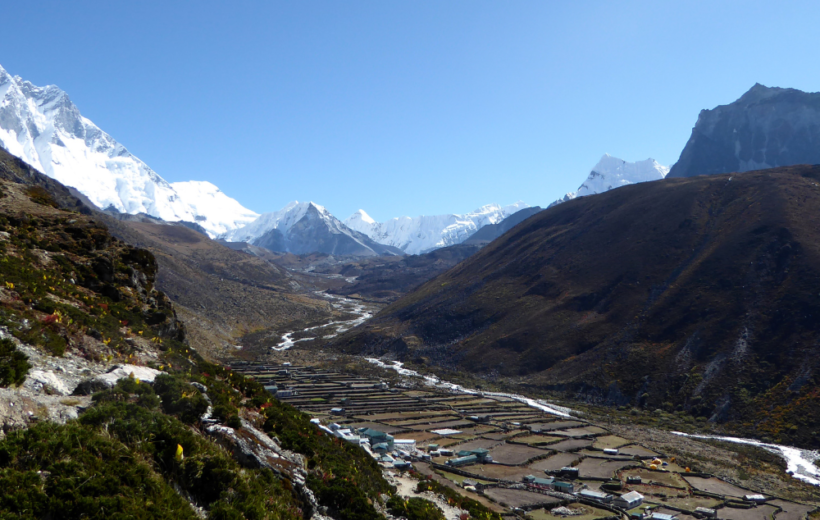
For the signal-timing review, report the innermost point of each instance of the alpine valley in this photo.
(166, 352)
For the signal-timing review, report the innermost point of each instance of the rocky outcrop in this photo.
(254, 449)
(765, 128)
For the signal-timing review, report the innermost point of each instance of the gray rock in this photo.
(765, 128)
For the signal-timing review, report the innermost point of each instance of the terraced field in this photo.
(521, 440)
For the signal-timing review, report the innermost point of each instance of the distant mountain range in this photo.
(765, 127)
(425, 233)
(44, 128)
(306, 227)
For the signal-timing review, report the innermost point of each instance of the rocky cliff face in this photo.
(765, 128)
(77, 302)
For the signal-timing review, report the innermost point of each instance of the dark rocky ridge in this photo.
(699, 295)
(765, 128)
(14, 169)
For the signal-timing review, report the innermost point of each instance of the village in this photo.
(516, 460)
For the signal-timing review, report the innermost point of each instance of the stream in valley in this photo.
(800, 463)
(331, 329)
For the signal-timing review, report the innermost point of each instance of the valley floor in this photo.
(678, 474)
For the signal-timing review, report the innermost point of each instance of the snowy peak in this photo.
(42, 126)
(362, 222)
(281, 220)
(611, 173)
(306, 227)
(415, 235)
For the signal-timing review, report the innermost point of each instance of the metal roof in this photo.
(632, 495)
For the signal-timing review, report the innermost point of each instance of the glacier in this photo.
(415, 235)
(42, 126)
(611, 173)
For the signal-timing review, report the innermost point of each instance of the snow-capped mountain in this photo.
(306, 227)
(611, 172)
(420, 234)
(212, 209)
(44, 128)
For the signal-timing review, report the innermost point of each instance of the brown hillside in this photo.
(220, 294)
(698, 294)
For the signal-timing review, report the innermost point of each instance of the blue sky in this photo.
(404, 108)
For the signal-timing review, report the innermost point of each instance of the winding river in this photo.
(330, 329)
(801, 464)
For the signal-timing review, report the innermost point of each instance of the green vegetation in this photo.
(414, 508)
(205, 472)
(71, 471)
(476, 509)
(344, 477)
(180, 399)
(65, 280)
(13, 364)
(120, 457)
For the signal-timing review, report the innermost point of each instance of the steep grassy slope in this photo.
(82, 303)
(698, 294)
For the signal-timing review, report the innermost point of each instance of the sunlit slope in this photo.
(698, 294)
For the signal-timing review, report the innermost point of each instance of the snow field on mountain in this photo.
(283, 220)
(611, 173)
(44, 128)
(415, 235)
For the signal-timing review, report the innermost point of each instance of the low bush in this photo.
(70, 471)
(180, 399)
(476, 509)
(415, 508)
(205, 472)
(14, 365)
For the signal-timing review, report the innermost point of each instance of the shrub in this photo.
(206, 472)
(415, 508)
(14, 365)
(180, 399)
(476, 509)
(68, 471)
(343, 476)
